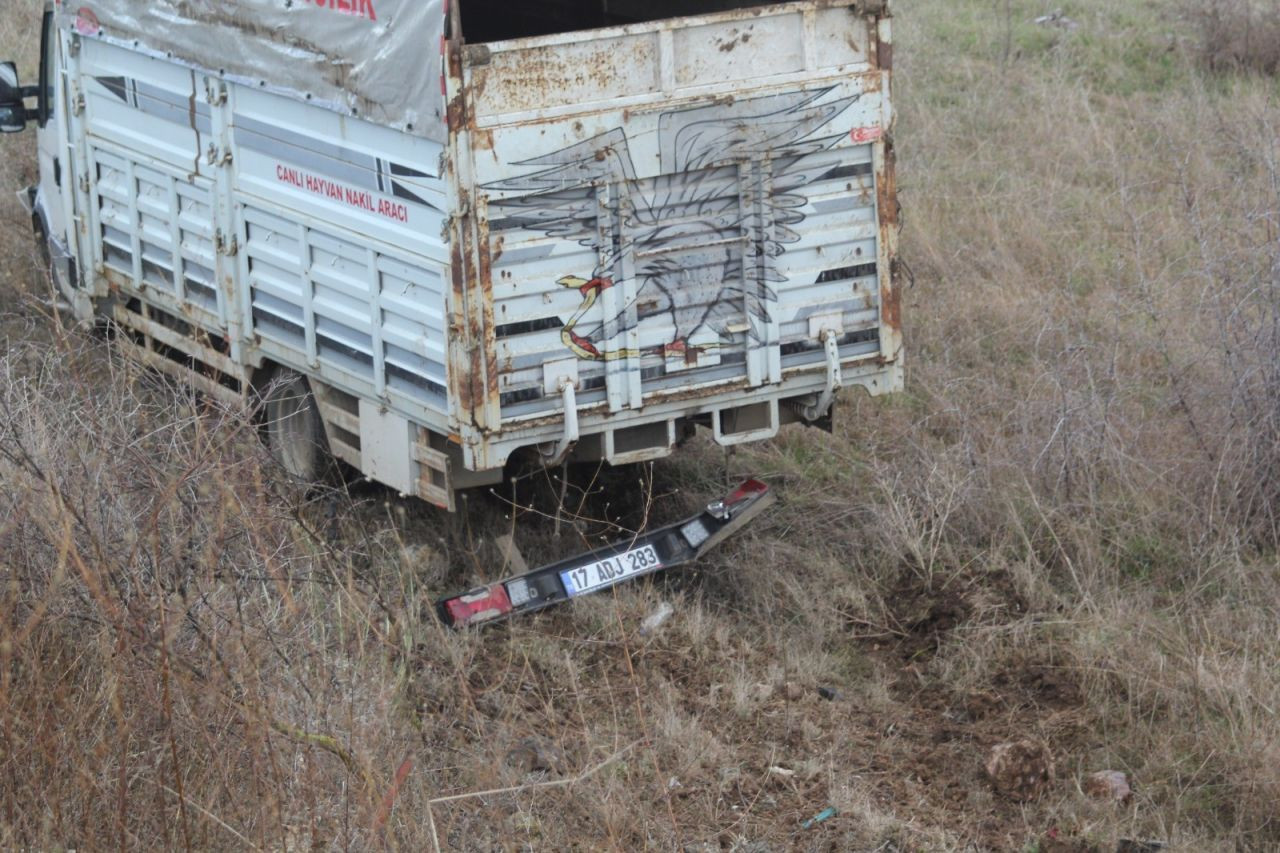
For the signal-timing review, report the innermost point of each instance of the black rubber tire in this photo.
(294, 431)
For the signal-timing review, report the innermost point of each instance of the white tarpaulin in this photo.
(377, 59)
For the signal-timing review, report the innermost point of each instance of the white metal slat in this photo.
(135, 239)
(178, 262)
(308, 293)
(375, 322)
(749, 212)
(766, 292)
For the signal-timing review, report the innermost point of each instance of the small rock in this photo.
(416, 556)
(1020, 770)
(775, 770)
(655, 620)
(829, 693)
(1057, 19)
(792, 691)
(1108, 785)
(536, 755)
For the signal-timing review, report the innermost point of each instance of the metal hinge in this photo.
(214, 157)
(78, 107)
(84, 184)
(215, 92)
(230, 249)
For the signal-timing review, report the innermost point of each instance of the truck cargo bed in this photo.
(588, 230)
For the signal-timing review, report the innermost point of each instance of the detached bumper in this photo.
(603, 568)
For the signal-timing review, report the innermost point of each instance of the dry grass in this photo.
(1065, 529)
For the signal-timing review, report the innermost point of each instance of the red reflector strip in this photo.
(749, 489)
(479, 606)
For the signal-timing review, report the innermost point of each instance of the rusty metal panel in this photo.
(687, 207)
(711, 55)
(563, 74)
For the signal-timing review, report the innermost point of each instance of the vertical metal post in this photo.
(307, 288)
(374, 280)
(629, 339)
(607, 299)
(177, 263)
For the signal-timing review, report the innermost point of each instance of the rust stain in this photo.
(728, 46)
(887, 187)
(887, 199)
(543, 77)
(475, 333)
(884, 52)
(487, 331)
(459, 378)
(458, 110)
(458, 114)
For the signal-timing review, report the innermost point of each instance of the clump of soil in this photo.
(1020, 770)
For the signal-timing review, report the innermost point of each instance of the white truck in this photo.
(437, 235)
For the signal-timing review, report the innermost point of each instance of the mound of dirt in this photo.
(1021, 770)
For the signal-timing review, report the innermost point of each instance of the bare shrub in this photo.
(1238, 35)
(158, 589)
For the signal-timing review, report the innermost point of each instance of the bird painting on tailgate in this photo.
(698, 242)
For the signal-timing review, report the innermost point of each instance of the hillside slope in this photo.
(1064, 531)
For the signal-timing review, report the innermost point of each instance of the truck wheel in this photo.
(295, 433)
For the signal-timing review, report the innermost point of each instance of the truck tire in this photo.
(294, 431)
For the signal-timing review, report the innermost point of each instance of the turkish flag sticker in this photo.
(863, 135)
(87, 22)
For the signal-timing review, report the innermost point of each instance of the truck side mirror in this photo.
(13, 112)
(13, 118)
(9, 88)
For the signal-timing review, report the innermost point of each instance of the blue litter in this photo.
(825, 814)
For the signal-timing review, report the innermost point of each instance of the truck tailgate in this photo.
(679, 211)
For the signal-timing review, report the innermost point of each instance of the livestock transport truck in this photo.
(436, 236)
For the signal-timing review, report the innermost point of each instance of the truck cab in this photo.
(37, 107)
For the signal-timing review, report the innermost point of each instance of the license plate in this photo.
(595, 576)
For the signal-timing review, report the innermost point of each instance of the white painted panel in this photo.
(141, 104)
(740, 50)
(386, 441)
(842, 38)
